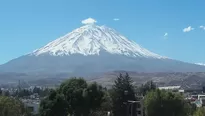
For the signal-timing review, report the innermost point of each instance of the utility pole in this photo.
(128, 105)
(19, 85)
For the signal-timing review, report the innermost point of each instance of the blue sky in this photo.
(157, 25)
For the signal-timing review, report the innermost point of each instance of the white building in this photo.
(32, 105)
(201, 97)
(170, 88)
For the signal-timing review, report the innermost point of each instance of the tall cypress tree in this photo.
(123, 91)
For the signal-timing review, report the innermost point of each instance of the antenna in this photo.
(19, 86)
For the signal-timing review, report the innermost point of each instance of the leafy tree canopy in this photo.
(76, 98)
(200, 112)
(163, 103)
(54, 105)
(11, 107)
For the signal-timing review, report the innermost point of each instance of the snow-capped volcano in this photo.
(91, 39)
(93, 49)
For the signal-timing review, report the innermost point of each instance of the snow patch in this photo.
(202, 64)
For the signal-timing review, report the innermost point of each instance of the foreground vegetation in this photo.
(12, 107)
(76, 97)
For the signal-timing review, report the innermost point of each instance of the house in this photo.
(199, 100)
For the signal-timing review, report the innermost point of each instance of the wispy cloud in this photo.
(202, 27)
(89, 21)
(116, 19)
(165, 35)
(188, 29)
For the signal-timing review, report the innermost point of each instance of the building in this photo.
(32, 105)
(140, 108)
(201, 97)
(172, 88)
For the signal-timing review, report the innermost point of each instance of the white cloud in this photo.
(202, 27)
(116, 19)
(89, 21)
(188, 29)
(166, 34)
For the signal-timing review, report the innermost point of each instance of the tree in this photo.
(122, 91)
(200, 112)
(54, 105)
(163, 103)
(77, 98)
(36, 90)
(6, 93)
(73, 91)
(190, 108)
(93, 98)
(149, 86)
(44, 92)
(102, 103)
(11, 107)
(24, 93)
(1, 91)
(107, 103)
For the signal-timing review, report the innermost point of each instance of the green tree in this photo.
(11, 107)
(149, 86)
(79, 97)
(200, 112)
(6, 93)
(54, 105)
(106, 105)
(122, 91)
(24, 93)
(44, 92)
(163, 103)
(1, 91)
(93, 98)
(73, 91)
(190, 108)
(36, 90)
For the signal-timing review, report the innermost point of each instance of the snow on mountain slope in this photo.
(201, 64)
(91, 39)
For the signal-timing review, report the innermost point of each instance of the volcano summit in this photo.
(91, 40)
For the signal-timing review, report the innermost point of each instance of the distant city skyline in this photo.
(175, 29)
